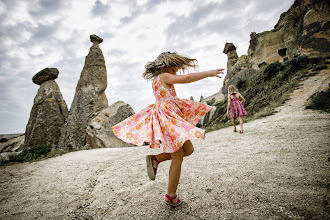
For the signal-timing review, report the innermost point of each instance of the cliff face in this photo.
(303, 29)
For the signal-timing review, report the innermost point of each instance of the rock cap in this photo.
(45, 75)
(229, 47)
(95, 38)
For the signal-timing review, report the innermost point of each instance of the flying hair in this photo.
(168, 59)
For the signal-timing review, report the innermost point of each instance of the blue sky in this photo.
(36, 34)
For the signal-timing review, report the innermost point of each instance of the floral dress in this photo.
(236, 108)
(169, 123)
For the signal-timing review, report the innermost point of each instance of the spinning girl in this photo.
(171, 122)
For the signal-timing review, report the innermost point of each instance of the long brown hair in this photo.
(168, 59)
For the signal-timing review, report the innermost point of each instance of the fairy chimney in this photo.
(89, 98)
(48, 113)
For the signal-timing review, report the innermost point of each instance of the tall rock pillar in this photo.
(48, 113)
(89, 98)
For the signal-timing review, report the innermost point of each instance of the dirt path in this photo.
(277, 169)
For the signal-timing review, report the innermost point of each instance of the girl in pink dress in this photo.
(171, 122)
(236, 107)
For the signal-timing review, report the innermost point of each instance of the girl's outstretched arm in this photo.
(229, 102)
(170, 79)
(243, 100)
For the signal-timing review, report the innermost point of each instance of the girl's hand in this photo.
(227, 113)
(215, 72)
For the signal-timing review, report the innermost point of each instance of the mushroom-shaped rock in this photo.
(45, 75)
(95, 38)
(229, 47)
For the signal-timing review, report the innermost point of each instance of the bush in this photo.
(272, 69)
(320, 101)
(35, 153)
(241, 84)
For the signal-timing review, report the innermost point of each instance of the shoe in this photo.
(151, 170)
(234, 129)
(241, 131)
(170, 201)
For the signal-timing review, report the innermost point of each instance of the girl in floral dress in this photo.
(171, 122)
(236, 107)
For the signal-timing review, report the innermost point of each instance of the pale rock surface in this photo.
(303, 29)
(99, 132)
(207, 117)
(11, 142)
(89, 98)
(48, 114)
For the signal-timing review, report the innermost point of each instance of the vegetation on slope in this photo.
(269, 88)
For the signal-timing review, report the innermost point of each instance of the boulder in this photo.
(45, 75)
(11, 142)
(99, 132)
(89, 98)
(48, 114)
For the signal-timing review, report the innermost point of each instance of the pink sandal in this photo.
(170, 201)
(151, 170)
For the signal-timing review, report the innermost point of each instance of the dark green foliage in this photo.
(272, 69)
(320, 101)
(35, 153)
(240, 84)
(2, 140)
(269, 88)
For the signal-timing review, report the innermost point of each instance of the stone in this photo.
(230, 50)
(95, 38)
(303, 29)
(88, 101)
(45, 75)
(11, 142)
(99, 132)
(48, 114)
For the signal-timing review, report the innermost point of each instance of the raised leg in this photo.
(188, 149)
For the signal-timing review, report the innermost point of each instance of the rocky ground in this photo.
(277, 169)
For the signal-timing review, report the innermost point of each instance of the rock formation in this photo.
(11, 142)
(303, 29)
(48, 113)
(99, 132)
(205, 119)
(89, 98)
(237, 68)
(45, 75)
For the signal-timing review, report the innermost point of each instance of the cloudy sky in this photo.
(36, 34)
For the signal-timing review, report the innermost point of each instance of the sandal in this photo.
(151, 170)
(241, 131)
(170, 201)
(234, 129)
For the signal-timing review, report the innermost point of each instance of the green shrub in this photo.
(272, 69)
(35, 153)
(320, 101)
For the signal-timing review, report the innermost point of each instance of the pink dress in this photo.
(236, 108)
(169, 122)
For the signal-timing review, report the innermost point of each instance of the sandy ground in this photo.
(277, 169)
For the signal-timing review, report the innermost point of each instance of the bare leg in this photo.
(188, 149)
(240, 124)
(234, 123)
(174, 173)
